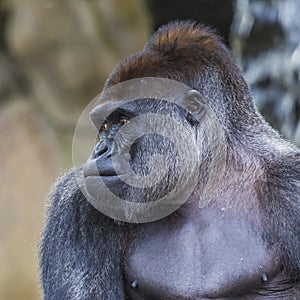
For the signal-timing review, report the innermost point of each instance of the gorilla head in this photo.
(188, 193)
(150, 150)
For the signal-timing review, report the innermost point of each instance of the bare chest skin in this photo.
(205, 256)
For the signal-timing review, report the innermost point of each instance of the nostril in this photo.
(100, 149)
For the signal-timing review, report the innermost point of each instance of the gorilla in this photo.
(235, 233)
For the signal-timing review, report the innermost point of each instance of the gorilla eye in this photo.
(191, 119)
(105, 127)
(123, 122)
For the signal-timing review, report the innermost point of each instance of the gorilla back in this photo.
(242, 244)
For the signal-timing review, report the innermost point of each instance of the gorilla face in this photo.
(147, 157)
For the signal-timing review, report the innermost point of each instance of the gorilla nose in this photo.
(104, 149)
(101, 149)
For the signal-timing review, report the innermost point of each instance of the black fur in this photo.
(82, 249)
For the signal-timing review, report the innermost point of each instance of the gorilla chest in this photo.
(198, 260)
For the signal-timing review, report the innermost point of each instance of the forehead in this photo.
(136, 107)
(143, 95)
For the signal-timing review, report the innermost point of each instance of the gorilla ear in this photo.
(193, 102)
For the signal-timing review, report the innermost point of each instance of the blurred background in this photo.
(54, 59)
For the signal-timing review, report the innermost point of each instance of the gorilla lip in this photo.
(109, 173)
(91, 170)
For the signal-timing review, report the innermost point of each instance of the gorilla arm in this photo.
(282, 210)
(80, 249)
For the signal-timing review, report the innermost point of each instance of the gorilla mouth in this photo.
(91, 169)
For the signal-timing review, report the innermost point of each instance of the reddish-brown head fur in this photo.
(179, 51)
(192, 54)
